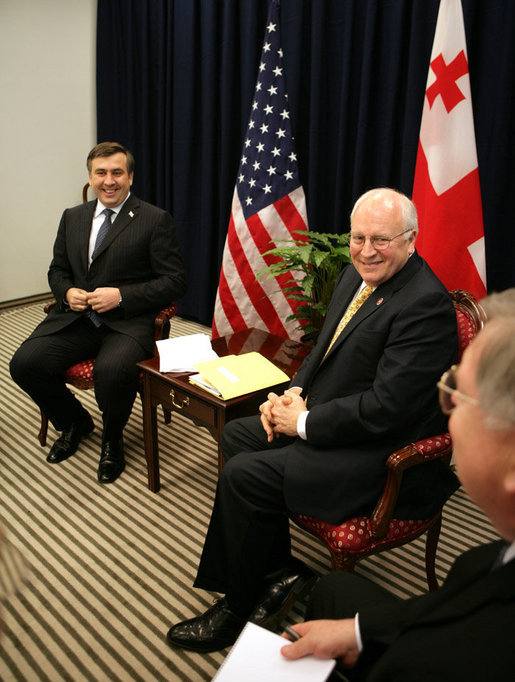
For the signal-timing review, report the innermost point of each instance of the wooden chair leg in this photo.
(43, 429)
(342, 562)
(433, 535)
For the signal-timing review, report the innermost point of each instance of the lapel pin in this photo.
(379, 301)
(131, 214)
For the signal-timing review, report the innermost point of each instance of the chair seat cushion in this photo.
(355, 535)
(81, 374)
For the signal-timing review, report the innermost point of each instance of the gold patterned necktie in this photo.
(354, 306)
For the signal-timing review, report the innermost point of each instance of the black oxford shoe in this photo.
(216, 629)
(283, 589)
(112, 461)
(68, 442)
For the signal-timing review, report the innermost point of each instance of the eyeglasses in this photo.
(447, 387)
(379, 243)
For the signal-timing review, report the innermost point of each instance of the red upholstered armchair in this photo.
(359, 537)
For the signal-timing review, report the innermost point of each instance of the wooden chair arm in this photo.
(163, 318)
(466, 302)
(397, 463)
(48, 306)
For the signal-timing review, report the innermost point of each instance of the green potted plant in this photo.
(312, 261)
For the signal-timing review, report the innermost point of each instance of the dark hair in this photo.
(108, 149)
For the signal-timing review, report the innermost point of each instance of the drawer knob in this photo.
(179, 406)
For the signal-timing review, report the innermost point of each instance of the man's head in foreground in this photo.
(482, 420)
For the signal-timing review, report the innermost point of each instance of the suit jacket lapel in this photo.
(85, 232)
(344, 291)
(378, 298)
(480, 585)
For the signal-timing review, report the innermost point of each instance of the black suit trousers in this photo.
(248, 535)
(39, 364)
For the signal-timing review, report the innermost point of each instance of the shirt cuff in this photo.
(357, 630)
(301, 424)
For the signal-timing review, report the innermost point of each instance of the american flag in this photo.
(268, 206)
(446, 188)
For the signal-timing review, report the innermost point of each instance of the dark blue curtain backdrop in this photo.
(175, 80)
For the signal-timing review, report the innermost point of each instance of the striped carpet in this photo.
(111, 567)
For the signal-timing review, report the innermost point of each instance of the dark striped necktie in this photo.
(102, 233)
(104, 229)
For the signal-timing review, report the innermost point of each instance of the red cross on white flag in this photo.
(446, 188)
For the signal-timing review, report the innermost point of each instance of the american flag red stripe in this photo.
(268, 207)
(291, 217)
(446, 188)
(258, 299)
(243, 301)
(230, 307)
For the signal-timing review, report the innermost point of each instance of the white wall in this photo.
(47, 127)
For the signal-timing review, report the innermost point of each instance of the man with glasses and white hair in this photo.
(366, 389)
(464, 631)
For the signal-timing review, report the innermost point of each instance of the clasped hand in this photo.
(279, 414)
(100, 300)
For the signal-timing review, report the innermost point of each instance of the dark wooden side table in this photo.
(174, 391)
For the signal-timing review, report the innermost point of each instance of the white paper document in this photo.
(198, 380)
(256, 657)
(181, 353)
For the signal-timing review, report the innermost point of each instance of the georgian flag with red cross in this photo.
(446, 188)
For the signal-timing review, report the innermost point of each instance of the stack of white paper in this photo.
(181, 353)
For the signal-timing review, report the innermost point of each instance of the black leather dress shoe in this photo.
(283, 589)
(112, 461)
(68, 442)
(217, 628)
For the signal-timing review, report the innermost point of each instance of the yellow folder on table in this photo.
(235, 375)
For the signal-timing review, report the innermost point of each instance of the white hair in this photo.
(495, 375)
(390, 197)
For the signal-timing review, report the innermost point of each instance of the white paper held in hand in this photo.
(256, 657)
(180, 354)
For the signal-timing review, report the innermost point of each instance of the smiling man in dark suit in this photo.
(464, 631)
(116, 263)
(367, 389)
